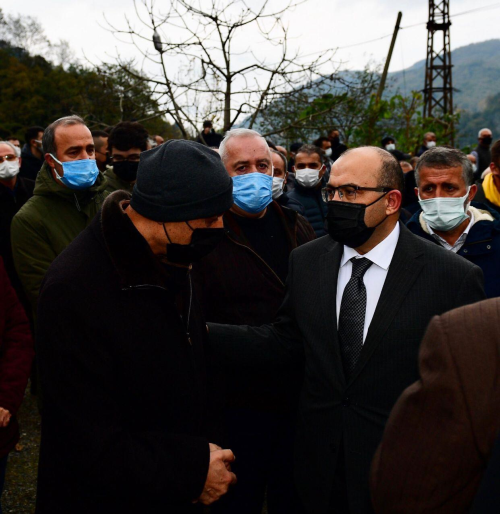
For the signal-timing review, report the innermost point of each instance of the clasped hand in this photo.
(219, 477)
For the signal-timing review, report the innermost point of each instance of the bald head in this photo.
(374, 165)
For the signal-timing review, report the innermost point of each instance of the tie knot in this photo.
(359, 266)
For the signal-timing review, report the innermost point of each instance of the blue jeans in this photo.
(3, 467)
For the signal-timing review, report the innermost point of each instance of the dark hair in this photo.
(127, 135)
(207, 124)
(32, 133)
(445, 157)
(310, 150)
(99, 133)
(319, 141)
(495, 153)
(283, 158)
(49, 135)
(109, 129)
(386, 140)
(295, 146)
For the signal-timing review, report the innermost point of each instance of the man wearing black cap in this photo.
(208, 136)
(121, 348)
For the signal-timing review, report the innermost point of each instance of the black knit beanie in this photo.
(181, 180)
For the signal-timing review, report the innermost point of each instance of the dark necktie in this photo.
(352, 315)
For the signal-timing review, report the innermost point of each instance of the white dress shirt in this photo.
(375, 276)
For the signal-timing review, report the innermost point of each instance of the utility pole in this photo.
(389, 57)
(438, 91)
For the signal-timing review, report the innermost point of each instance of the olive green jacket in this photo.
(46, 225)
(115, 183)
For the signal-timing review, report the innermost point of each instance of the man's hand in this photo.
(4, 417)
(219, 476)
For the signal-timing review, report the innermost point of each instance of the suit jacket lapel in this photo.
(403, 271)
(329, 271)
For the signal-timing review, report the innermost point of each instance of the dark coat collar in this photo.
(130, 253)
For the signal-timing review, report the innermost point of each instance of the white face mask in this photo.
(328, 152)
(390, 147)
(278, 184)
(430, 144)
(9, 169)
(308, 177)
(445, 214)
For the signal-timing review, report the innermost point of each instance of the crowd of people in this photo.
(227, 323)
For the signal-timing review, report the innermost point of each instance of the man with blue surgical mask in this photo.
(69, 191)
(448, 217)
(243, 281)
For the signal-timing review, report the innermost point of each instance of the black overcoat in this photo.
(124, 397)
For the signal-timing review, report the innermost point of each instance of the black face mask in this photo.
(203, 241)
(126, 170)
(487, 141)
(346, 223)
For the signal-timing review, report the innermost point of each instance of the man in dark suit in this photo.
(443, 428)
(355, 312)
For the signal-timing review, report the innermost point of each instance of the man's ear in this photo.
(394, 201)
(472, 192)
(49, 160)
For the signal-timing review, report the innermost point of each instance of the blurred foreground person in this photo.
(243, 282)
(16, 355)
(69, 190)
(447, 217)
(356, 307)
(442, 430)
(125, 425)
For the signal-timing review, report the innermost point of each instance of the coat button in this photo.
(346, 402)
(465, 251)
(489, 247)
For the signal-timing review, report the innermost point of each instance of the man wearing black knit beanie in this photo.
(121, 348)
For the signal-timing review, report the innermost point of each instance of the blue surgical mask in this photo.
(445, 214)
(80, 174)
(253, 192)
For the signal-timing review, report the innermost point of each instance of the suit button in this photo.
(489, 247)
(346, 402)
(465, 251)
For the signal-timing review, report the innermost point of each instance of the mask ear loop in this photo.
(166, 233)
(55, 171)
(187, 223)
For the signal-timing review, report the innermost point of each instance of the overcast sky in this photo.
(315, 25)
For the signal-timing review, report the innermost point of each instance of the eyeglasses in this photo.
(8, 158)
(130, 158)
(348, 193)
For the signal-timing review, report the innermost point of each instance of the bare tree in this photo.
(200, 74)
(23, 32)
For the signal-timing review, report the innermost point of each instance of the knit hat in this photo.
(181, 180)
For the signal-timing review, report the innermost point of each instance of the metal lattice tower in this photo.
(438, 89)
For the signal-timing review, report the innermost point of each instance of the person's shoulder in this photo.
(315, 248)
(31, 213)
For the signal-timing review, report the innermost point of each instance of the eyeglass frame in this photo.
(124, 159)
(328, 189)
(4, 158)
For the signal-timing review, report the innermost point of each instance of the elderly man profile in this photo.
(445, 186)
(127, 417)
(69, 190)
(357, 304)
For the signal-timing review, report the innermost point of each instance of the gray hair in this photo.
(444, 157)
(49, 135)
(230, 134)
(479, 133)
(17, 152)
(283, 158)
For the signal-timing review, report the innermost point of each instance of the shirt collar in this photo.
(381, 255)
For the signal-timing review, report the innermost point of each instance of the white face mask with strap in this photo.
(308, 177)
(9, 169)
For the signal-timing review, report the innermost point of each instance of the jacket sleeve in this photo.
(472, 288)
(427, 461)
(17, 348)
(273, 348)
(32, 255)
(87, 416)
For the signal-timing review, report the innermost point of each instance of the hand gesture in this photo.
(4, 417)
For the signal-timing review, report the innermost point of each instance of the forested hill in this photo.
(476, 75)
